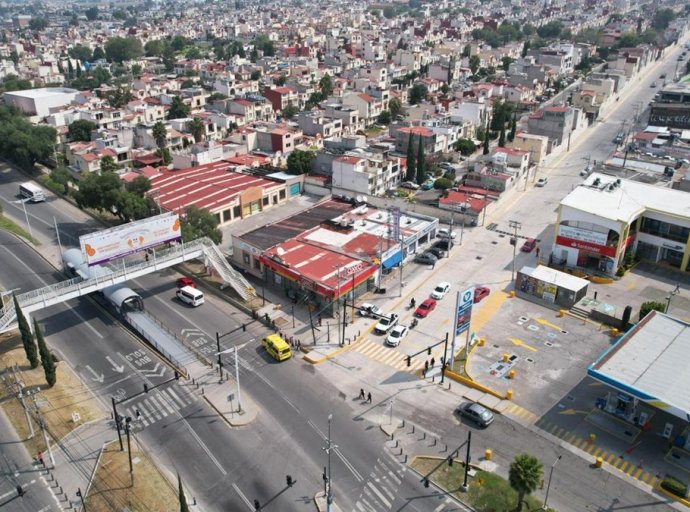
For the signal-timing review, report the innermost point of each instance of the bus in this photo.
(32, 192)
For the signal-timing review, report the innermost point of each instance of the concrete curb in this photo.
(247, 419)
(464, 506)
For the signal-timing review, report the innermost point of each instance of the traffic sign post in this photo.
(463, 313)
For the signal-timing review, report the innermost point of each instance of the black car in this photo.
(439, 253)
(426, 258)
(444, 245)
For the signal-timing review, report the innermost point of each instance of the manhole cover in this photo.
(524, 318)
(548, 344)
(529, 360)
(551, 335)
(497, 346)
(495, 242)
(533, 327)
(479, 257)
(564, 332)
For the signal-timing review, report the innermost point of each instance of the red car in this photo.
(529, 245)
(480, 292)
(425, 308)
(185, 281)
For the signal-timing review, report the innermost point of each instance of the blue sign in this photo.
(464, 313)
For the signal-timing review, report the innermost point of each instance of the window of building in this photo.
(281, 194)
(265, 201)
(246, 258)
(217, 216)
(236, 212)
(227, 215)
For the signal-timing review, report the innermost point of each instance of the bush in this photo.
(56, 187)
(443, 184)
(674, 486)
(646, 307)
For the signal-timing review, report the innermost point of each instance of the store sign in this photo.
(582, 235)
(464, 312)
(586, 246)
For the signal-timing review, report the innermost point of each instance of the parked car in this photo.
(440, 290)
(439, 253)
(428, 185)
(618, 139)
(662, 75)
(371, 310)
(425, 308)
(529, 245)
(444, 245)
(445, 234)
(185, 281)
(426, 258)
(542, 181)
(386, 323)
(654, 83)
(480, 292)
(396, 335)
(477, 413)
(409, 185)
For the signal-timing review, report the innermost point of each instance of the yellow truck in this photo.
(277, 347)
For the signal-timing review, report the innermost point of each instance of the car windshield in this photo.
(396, 334)
(424, 306)
(440, 289)
(385, 321)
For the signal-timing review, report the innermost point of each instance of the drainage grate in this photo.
(492, 226)
(494, 242)
(570, 397)
(533, 327)
(548, 344)
(529, 360)
(497, 346)
(564, 332)
(523, 318)
(479, 257)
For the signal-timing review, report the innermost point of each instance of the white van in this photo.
(32, 192)
(190, 296)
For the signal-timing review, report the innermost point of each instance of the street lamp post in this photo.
(675, 292)
(548, 485)
(329, 478)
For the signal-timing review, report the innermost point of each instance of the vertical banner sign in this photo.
(395, 218)
(463, 313)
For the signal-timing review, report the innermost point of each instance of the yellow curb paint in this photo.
(609, 458)
(653, 481)
(572, 438)
(514, 408)
(637, 473)
(561, 432)
(591, 448)
(623, 466)
(645, 477)
(596, 452)
(552, 429)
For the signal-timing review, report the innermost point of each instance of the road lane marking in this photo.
(242, 496)
(347, 463)
(519, 343)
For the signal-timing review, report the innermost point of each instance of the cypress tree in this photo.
(47, 359)
(502, 138)
(421, 171)
(27, 336)
(486, 141)
(411, 166)
(513, 128)
(70, 68)
(182, 498)
(78, 69)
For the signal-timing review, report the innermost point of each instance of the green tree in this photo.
(119, 14)
(98, 53)
(421, 162)
(475, 62)
(160, 134)
(525, 48)
(99, 191)
(80, 53)
(197, 128)
(506, 62)
(465, 146)
(485, 150)
(80, 130)
(26, 334)
(524, 476)
(91, 13)
(662, 18)
(14, 83)
(61, 176)
(178, 43)
(47, 359)
(384, 117)
(411, 164)
(467, 51)
(181, 497)
(120, 49)
(264, 44)
(326, 85)
(108, 164)
(119, 97)
(38, 24)
(178, 109)
(395, 107)
(164, 154)
(550, 30)
(23, 143)
(155, 48)
(513, 128)
(443, 184)
(300, 162)
(290, 111)
(418, 93)
(198, 222)
(502, 138)
(139, 186)
(646, 307)
(70, 68)
(389, 12)
(280, 81)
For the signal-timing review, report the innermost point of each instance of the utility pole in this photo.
(220, 360)
(513, 241)
(467, 459)
(129, 449)
(42, 425)
(237, 378)
(328, 480)
(548, 486)
(117, 422)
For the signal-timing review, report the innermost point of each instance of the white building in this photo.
(39, 101)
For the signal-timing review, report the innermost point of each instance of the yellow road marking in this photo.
(572, 412)
(548, 324)
(520, 343)
(591, 448)
(560, 432)
(572, 438)
(514, 408)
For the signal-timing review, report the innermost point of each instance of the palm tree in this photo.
(160, 134)
(197, 128)
(524, 476)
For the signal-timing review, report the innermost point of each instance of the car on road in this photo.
(529, 245)
(618, 139)
(426, 258)
(440, 290)
(409, 185)
(439, 253)
(662, 75)
(480, 292)
(585, 172)
(371, 310)
(477, 413)
(386, 323)
(653, 85)
(396, 335)
(444, 245)
(542, 182)
(185, 281)
(425, 308)
(445, 234)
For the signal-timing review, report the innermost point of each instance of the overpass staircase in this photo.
(116, 273)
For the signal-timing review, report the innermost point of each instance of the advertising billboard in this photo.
(110, 244)
(464, 312)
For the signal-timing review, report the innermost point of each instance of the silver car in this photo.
(475, 412)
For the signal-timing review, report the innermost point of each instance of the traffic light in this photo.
(409, 360)
(257, 505)
(428, 350)
(450, 460)
(146, 388)
(177, 375)
(426, 482)
(244, 327)
(20, 490)
(288, 480)
(513, 240)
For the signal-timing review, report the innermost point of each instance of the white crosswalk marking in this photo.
(394, 357)
(177, 399)
(159, 404)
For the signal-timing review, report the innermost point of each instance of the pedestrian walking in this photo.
(537, 252)
(40, 458)
(426, 366)
(147, 257)
(433, 361)
(361, 394)
(299, 345)
(319, 319)
(369, 397)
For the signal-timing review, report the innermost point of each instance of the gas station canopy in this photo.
(650, 362)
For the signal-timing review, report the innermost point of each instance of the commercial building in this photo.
(606, 217)
(39, 102)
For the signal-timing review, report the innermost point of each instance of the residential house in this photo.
(555, 122)
(368, 107)
(535, 145)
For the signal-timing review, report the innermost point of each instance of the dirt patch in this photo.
(63, 408)
(114, 488)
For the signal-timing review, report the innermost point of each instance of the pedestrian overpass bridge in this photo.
(116, 273)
